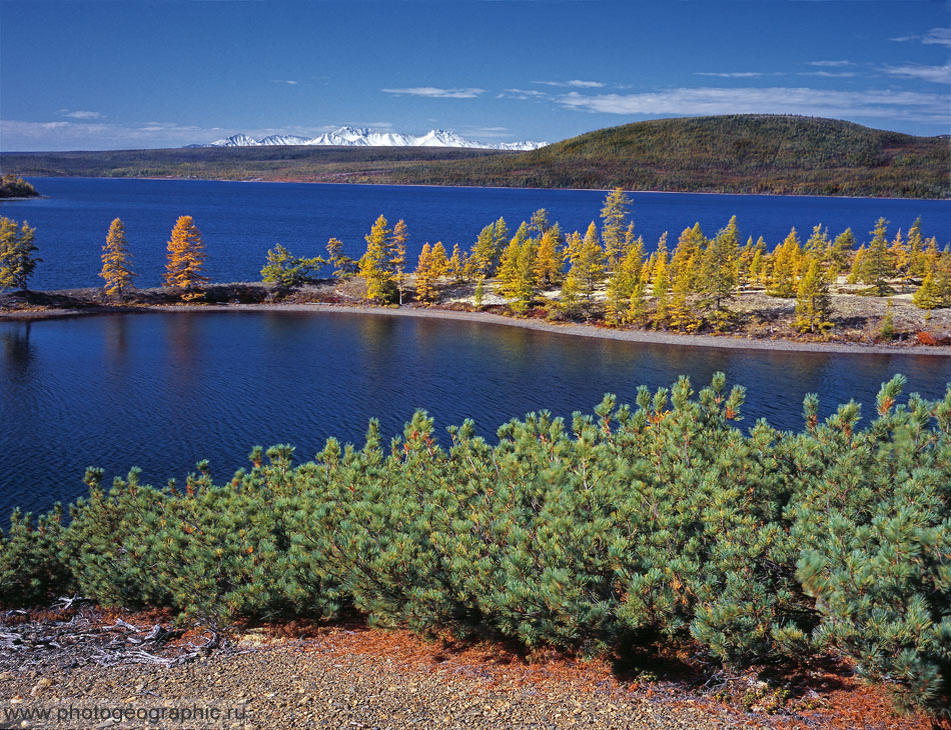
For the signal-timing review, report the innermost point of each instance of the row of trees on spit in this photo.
(605, 273)
(184, 265)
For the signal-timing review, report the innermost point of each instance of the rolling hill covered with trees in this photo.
(723, 154)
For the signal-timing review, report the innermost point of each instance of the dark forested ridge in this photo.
(288, 163)
(723, 154)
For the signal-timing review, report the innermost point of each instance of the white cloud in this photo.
(437, 93)
(289, 82)
(731, 74)
(937, 74)
(577, 83)
(937, 37)
(933, 37)
(829, 74)
(772, 100)
(82, 114)
(833, 64)
(62, 135)
(485, 132)
(523, 94)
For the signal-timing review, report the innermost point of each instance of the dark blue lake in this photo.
(240, 221)
(163, 390)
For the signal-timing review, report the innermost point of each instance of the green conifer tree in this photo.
(877, 265)
(344, 267)
(840, 254)
(289, 271)
(614, 218)
(813, 304)
(718, 267)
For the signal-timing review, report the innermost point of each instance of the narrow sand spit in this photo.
(577, 330)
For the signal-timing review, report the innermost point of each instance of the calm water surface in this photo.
(241, 221)
(162, 391)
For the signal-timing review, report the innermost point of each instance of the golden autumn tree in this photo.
(431, 267)
(786, 260)
(116, 261)
(396, 255)
(186, 259)
(374, 264)
(548, 258)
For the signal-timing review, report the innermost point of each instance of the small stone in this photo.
(41, 686)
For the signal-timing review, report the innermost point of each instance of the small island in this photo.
(13, 186)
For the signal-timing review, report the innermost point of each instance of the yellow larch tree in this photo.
(786, 260)
(186, 258)
(548, 258)
(396, 255)
(116, 261)
(431, 266)
(374, 264)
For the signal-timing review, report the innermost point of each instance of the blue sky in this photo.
(125, 74)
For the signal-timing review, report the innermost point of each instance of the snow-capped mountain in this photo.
(278, 139)
(359, 137)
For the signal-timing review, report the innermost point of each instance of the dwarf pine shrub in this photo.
(662, 521)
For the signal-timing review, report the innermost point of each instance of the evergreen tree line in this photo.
(633, 526)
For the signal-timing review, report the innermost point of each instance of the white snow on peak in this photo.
(283, 139)
(361, 137)
(235, 140)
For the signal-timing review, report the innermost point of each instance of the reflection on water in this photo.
(164, 390)
(17, 352)
(116, 340)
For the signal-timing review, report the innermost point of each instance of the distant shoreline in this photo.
(571, 329)
(464, 187)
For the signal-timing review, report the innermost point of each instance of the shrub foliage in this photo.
(661, 521)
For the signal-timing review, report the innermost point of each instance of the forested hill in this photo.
(724, 154)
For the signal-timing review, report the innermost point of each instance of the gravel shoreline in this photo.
(574, 329)
(310, 676)
(315, 686)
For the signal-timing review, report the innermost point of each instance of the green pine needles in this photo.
(660, 521)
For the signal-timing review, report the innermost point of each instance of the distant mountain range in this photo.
(748, 153)
(360, 137)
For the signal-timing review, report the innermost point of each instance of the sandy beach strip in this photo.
(573, 329)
